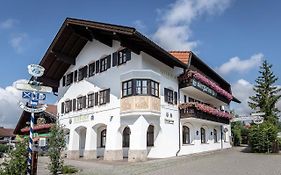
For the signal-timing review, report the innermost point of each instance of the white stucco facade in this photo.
(97, 131)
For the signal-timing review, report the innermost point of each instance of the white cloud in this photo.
(242, 90)
(236, 64)
(18, 41)
(9, 108)
(9, 23)
(174, 31)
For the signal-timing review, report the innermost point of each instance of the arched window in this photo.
(150, 136)
(203, 135)
(215, 136)
(126, 137)
(103, 138)
(185, 135)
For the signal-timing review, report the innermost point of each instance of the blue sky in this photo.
(229, 35)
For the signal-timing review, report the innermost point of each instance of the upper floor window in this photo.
(91, 69)
(121, 57)
(69, 79)
(140, 87)
(91, 100)
(68, 106)
(104, 96)
(169, 95)
(81, 102)
(83, 73)
(105, 63)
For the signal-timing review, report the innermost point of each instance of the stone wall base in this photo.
(73, 154)
(137, 155)
(113, 155)
(90, 154)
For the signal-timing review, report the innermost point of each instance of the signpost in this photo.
(34, 92)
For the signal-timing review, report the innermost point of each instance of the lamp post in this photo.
(34, 92)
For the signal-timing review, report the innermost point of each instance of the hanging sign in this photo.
(29, 87)
(32, 110)
(35, 70)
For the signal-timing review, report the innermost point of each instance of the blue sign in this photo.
(26, 94)
(41, 96)
(34, 102)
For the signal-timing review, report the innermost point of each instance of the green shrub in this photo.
(4, 148)
(262, 136)
(66, 169)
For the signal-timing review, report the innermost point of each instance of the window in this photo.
(105, 63)
(82, 73)
(150, 136)
(68, 106)
(126, 137)
(103, 138)
(91, 100)
(185, 135)
(121, 57)
(154, 89)
(203, 135)
(215, 136)
(127, 88)
(104, 96)
(81, 102)
(69, 79)
(141, 87)
(169, 95)
(91, 69)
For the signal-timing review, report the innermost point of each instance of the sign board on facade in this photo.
(81, 118)
(203, 87)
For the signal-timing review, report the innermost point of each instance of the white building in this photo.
(121, 95)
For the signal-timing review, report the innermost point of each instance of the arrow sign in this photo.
(32, 110)
(29, 87)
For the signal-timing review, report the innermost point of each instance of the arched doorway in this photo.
(101, 139)
(126, 141)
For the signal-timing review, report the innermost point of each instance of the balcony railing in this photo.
(202, 111)
(199, 81)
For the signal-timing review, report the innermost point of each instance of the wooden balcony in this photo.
(201, 111)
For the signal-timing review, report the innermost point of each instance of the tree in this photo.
(56, 146)
(236, 128)
(267, 94)
(16, 163)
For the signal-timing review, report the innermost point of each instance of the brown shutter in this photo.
(75, 75)
(74, 104)
(128, 54)
(175, 98)
(63, 81)
(96, 98)
(166, 94)
(84, 102)
(62, 107)
(108, 96)
(108, 61)
(70, 105)
(97, 66)
(114, 59)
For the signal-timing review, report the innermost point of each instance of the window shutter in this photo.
(96, 98)
(108, 61)
(70, 105)
(75, 75)
(84, 102)
(128, 54)
(74, 104)
(108, 96)
(166, 95)
(175, 98)
(115, 59)
(92, 69)
(97, 66)
(63, 81)
(62, 107)
(85, 71)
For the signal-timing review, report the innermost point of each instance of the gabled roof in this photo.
(6, 132)
(183, 56)
(75, 33)
(50, 113)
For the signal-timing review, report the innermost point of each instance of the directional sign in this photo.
(258, 114)
(242, 119)
(26, 94)
(32, 110)
(28, 87)
(41, 96)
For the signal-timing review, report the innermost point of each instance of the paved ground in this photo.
(227, 162)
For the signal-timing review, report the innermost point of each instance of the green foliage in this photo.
(69, 169)
(236, 128)
(262, 136)
(16, 163)
(4, 148)
(56, 146)
(267, 94)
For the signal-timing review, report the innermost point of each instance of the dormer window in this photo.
(140, 87)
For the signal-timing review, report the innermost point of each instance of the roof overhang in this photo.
(75, 33)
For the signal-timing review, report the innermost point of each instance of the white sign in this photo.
(29, 87)
(35, 70)
(32, 110)
(258, 120)
(42, 142)
(258, 114)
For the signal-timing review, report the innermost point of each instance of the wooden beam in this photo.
(132, 46)
(85, 34)
(63, 58)
(102, 37)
